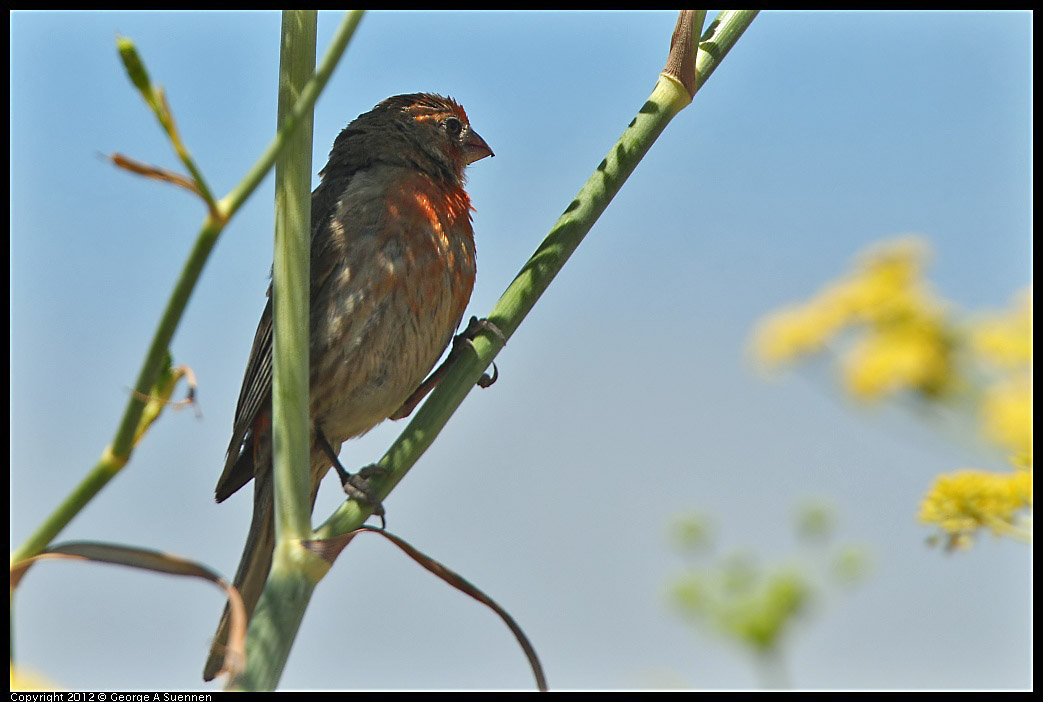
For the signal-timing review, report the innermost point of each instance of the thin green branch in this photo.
(231, 202)
(157, 102)
(117, 454)
(718, 40)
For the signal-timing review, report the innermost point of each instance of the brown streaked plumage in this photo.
(392, 269)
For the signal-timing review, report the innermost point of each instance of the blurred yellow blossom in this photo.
(909, 355)
(1007, 413)
(794, 331)
(1005, 339)
(893, 335)
(887, 283)
(960, 503)
(25, 680)
(904, 341)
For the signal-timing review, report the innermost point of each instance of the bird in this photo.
(392, 270)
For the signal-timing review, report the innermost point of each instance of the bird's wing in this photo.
(256, 392)
(254, 395)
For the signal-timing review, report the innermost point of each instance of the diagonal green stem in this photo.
(667, 99)
(309, 94)
(288, 591)
(157, 102)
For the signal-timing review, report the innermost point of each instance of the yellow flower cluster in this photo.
(1004, 342)
(901, 338)
(904, 341)
(1007, 415)
(1005, 339)
(967, 500)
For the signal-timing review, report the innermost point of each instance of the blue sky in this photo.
(625, 399)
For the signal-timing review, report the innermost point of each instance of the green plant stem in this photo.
(277, 618)
(667, 99)
(719, 39)
(291, 289)
(286, 594)
(233, 200)
(156, 100)
(118, 453)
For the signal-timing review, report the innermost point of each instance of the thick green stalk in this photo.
(277, 618)
(291, 287)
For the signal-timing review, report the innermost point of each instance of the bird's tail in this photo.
(253, 569)
(252, 573)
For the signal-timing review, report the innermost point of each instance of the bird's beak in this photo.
(475, 147)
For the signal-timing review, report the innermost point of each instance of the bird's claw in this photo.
(475, 327)
(357, 487)
(486, 380)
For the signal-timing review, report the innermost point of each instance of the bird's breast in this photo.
(391, 301)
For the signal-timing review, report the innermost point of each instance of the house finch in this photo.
(392, 268)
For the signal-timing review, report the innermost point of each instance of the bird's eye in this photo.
(453, 126)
